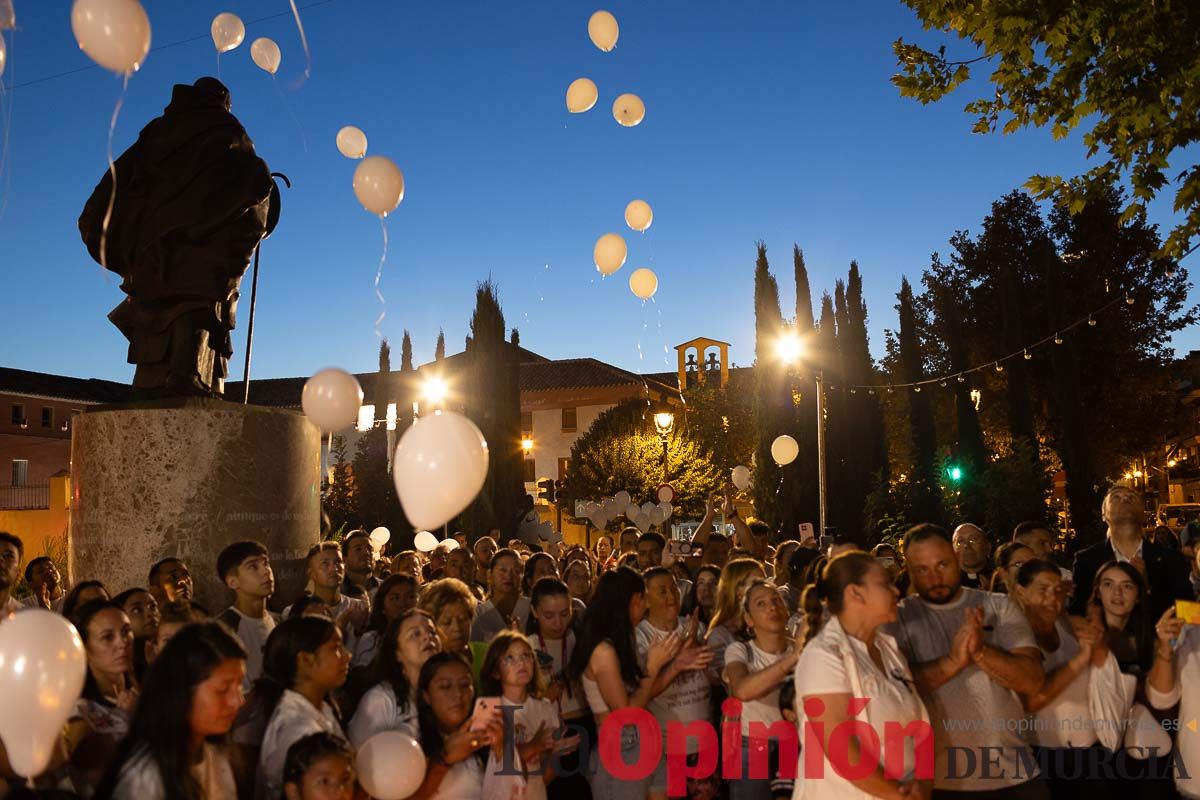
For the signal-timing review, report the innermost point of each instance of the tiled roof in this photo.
(573, 373)
(59, 387)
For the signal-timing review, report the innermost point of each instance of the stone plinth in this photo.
(185, 478)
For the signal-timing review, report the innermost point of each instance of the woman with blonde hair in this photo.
(727, 621)
(451, 605)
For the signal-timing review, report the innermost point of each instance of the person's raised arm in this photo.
(1161, 678)
(741, 531)
(700, 535)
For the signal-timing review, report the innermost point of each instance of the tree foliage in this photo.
(1127, 71)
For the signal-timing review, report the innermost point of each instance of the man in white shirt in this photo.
(45, 584)
(12, 549)
(245, 567)
(972, 653)
(326, 571)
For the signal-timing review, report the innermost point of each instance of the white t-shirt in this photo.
(1064, 721)
(527, 718)
(293, 719)
(718, 641)
(141, 780)
(686, 699)
(253, 633)
(364, 651)
(571, 703)
(488, 621)
(891, 692)
(1187, 673)
(379, 711)
(470, 780)
(344, 604)
(764, 709)
(970, 710)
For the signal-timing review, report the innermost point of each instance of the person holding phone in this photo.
(1177, 664)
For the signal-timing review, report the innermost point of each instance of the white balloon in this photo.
(622, 500)
(425, 541)
(642, 521)
(114, 33)
(439, 468)
(741, 478)
(603, 30)
(378, 185)
(629, 110)
(656, 516)
(639, 215)
(331, 399)
(597, 518)
(667, 510)
(643, 283)
(265, 54)
(8, 17)
(784, 450)
(609, 253)
(450, 544)
(581, 95)
(390, 766)
(666, 493)
(227, 31)
(352, 142)
(379, 537)
(591, 507)
(42, 668)
(3, 54)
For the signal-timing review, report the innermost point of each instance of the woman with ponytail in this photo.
(846, 657)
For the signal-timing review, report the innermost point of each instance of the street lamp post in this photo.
(664, 423)
(790, 349)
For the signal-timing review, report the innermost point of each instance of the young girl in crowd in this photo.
(510, 671)
(319, 766)
(396, 595)
(538, 566)
(605, 664)
(110, 691)
(188, 704)
(754, 671)
(84, 592)
(704, 594)
(391, 703)
(578, 577)
(1119, 591)
(1073, 656)
(303, 664)
(451, 604)
(726, 622)
(462, 755)
(142, 609)
(845, 655)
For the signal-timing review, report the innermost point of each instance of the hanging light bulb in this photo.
(1106, 285)
(871, 391)
(1028, 356)
(999, 367)
(1128, 299)
(961, 379)
(853, 390)
(889, 390)
(943, 383)
(1091, 321)
(917, 389)
(1057, 339)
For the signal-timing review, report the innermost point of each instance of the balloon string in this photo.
(218, 65)
(288, 108)
(379, 277)
(307, 54)
(112, 173)
(6, 113)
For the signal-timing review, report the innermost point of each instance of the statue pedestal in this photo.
(184, 478)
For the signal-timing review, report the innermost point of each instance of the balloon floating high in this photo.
(227, 31)
(265, 54)
(114, 33)
(581, 95)
(331, 399)
(3, 54)
(629, 110)
(643, 283)
(8, 17)
(639, 215)
(741, 478)
(390, 766)
(378, 185)
(784, 450)
(42, 668)
(603, 30)
(352, 142)
(439, 468)
(609, 253)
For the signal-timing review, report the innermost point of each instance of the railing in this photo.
(17, 498)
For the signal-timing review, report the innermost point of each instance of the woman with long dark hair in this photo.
(190, 699)
(605, 663)
(1119, 591)
(303, 663)
(391, 703)
(396, 595)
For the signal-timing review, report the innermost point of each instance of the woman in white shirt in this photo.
(753, 673)
(1176, 662)
(304, 662)
(390, 705)
(847, 658)
(190, 698)
(1083, 696)
(726, 623)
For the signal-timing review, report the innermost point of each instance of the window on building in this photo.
(527, 422)
(562, 468)
(20, 472)
(568, 419)
(47, 417)
(530, 471)
(18, 413)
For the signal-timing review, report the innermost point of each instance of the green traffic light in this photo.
(956, 474)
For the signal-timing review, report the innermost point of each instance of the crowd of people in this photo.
(740, 664)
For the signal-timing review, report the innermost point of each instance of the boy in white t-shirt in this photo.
(245, 567)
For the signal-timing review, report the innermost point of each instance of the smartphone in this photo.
(486, 709)
(1188, 611)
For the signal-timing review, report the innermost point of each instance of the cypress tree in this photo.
(867, 455)
(406, 355)
(804, 312)
(925, 496)
(439, 351)
(803, 379)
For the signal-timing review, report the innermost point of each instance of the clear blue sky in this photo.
(771, 121)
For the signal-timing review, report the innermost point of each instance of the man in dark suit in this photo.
(1166, 571)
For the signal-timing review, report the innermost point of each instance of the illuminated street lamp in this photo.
(434, 390)
(527, 445)
(788, 348)
(664, 423)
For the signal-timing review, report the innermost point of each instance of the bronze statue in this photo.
(193, 200)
